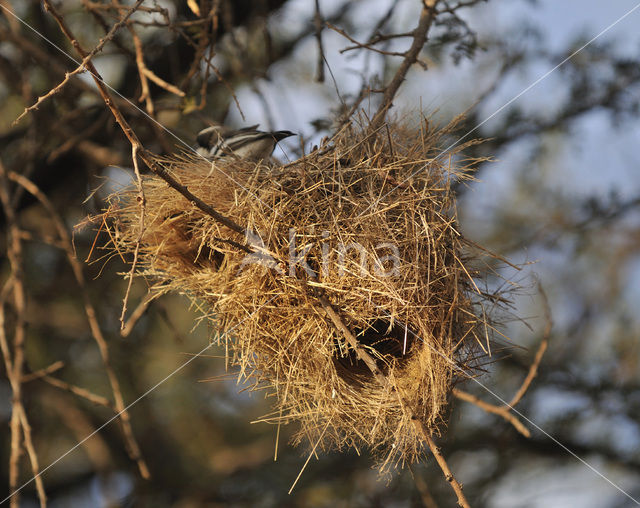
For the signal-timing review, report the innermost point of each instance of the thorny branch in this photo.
(86, 56)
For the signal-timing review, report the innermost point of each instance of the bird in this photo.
(217, 142)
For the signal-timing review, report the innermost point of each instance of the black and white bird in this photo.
(219, 142)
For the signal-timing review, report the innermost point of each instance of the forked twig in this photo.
(505, 410)
(147, 74)
(362, 45)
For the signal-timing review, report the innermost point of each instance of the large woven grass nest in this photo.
(377, 218)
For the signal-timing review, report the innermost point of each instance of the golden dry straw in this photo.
(367, 222)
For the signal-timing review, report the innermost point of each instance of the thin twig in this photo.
(145, 95)
(14, 457)
(90, 312)
(137, 314)
(502, 411)
(14, 364)
(318, 23)
(9, 359)
(86, 62)
(457, 488)
(142, 201)
(31, 452)
(363, 45)
(80, 392)
(55, 366)
(459, 5)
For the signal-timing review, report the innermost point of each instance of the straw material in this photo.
(376, 217)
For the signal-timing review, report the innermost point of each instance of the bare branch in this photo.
(318, 23)
(14, 363)
(360, 45)
(96, 331)
(419, 39)
(505, 410)
(86, 62)
(502, 411)
(43, 372)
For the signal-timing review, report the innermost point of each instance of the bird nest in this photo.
(351, 298)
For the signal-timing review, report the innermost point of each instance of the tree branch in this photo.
(419, 39)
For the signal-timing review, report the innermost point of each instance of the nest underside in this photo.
(375, 216)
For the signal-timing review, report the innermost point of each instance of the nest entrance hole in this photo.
(385, 343)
